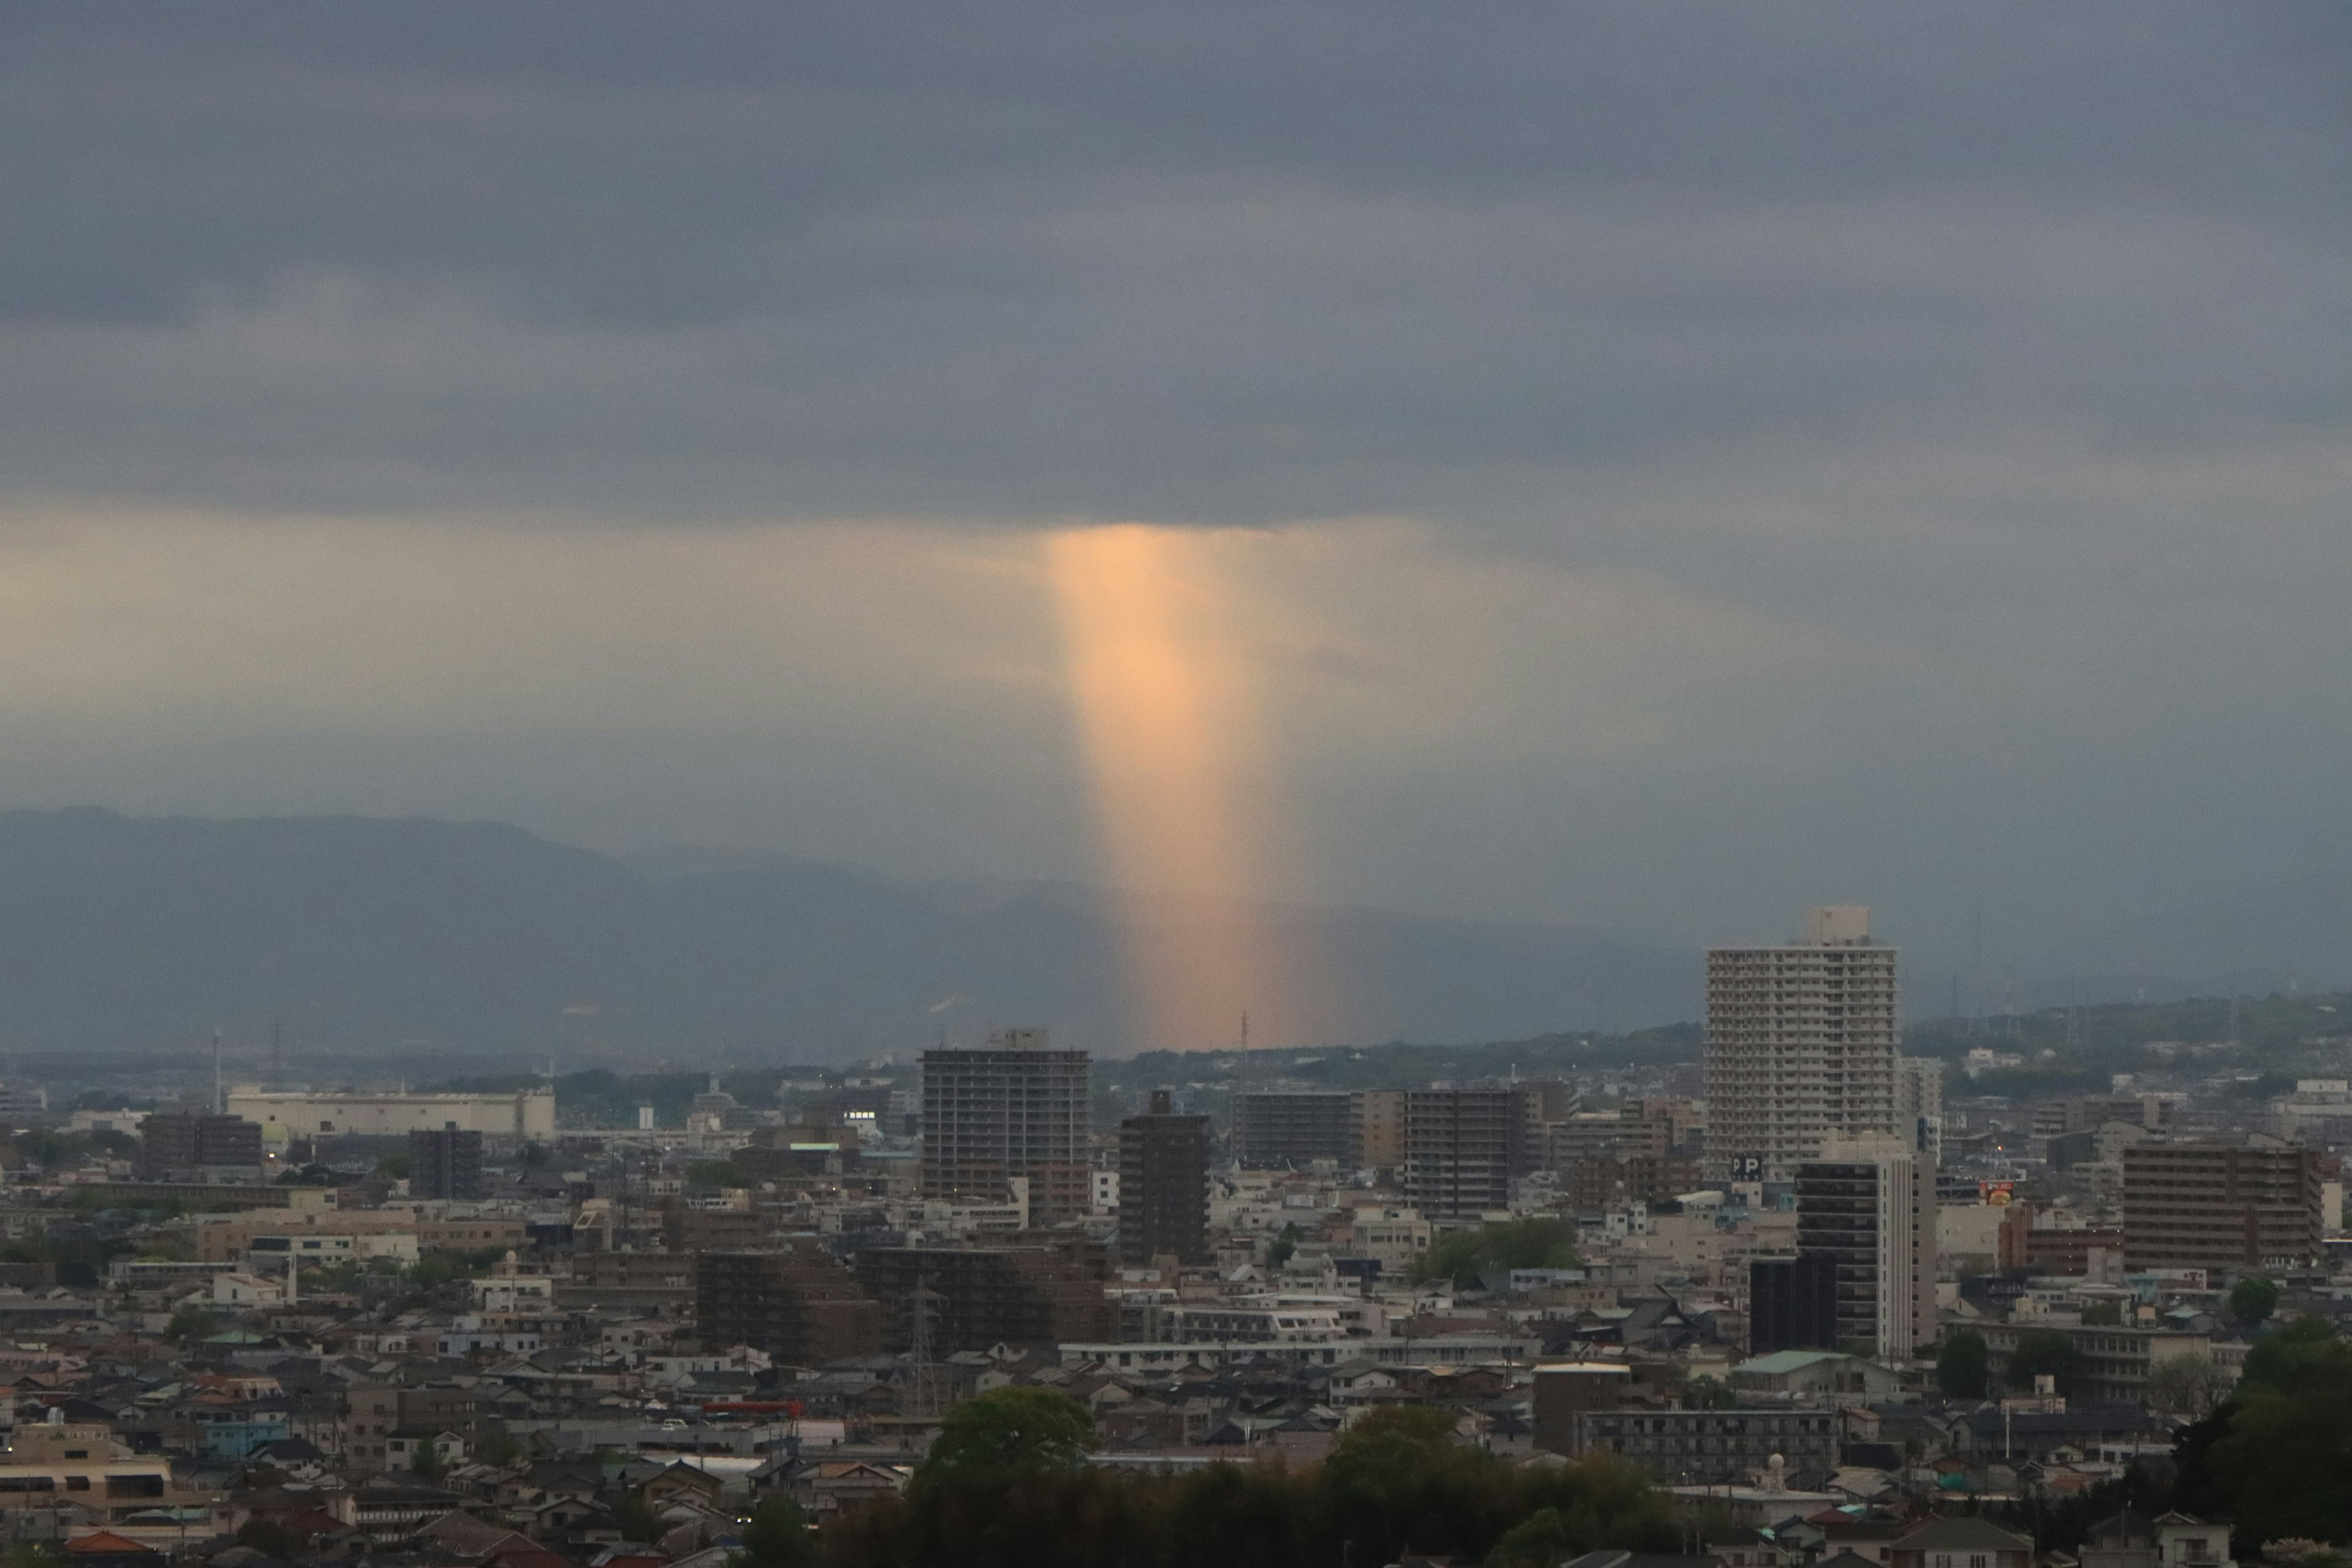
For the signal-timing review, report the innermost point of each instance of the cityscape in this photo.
(1803, 1291)
(1184, 784)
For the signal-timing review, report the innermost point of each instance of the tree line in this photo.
(1008, 1485)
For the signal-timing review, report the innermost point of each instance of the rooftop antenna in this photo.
(220, 1099)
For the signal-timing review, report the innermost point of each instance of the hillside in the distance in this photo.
(355, 934)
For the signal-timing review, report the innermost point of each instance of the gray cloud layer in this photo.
(2003, 345)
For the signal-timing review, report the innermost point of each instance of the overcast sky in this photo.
(1679, 462)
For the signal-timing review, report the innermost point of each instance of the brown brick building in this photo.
(2220, 1205)
(802, 1309)
(1041, 1291)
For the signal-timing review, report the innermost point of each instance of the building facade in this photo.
(1800, 1046)
(173, 1141)
(1163, 1185)
(1701, 1447)
(1868, 1207)
(1459, 1144)
(444, 1165)
(2221, 1206)
(1018, 1109)
(1047, 1292)
(287, 1114)
(803, 1311)
(1276, 1128)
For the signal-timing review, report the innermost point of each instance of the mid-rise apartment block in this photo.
(1040, 1291)
(1163, 1185)
(1800, 1046)
(2225, 1207)
(1017, 1109)
(804, 1311)
(1459, 1148)
(444, 1165)
(1275, 1129)
(172, 1141)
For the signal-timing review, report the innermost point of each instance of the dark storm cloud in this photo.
(1187, 260)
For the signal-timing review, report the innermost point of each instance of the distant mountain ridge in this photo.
(359, 934)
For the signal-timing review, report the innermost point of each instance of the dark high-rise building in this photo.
(1459, 1149)
(172, 1141)
(444, 1165)
(1017, 1109)
(1163, 1185)
(1045, 1290)
(1868, 1205)
(1274, 1128)
(1792, 1304)
(802, 1309)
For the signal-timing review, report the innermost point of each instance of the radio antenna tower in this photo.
(920, 1396)
(220, 1098)
(277, 1051)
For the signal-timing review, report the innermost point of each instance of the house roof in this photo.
(1780, 1363)
(106, 1540)
(1963, 1532)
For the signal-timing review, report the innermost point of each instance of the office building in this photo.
(2223, 1206)
(802, 1309)
(1278, 1129)
(1868, 1205)
(1800, 1046)
(1459, 1144)
(174, 1140)
(1041, 1292)
(444, 1165)
(1163, 1185)
(1017, 1109)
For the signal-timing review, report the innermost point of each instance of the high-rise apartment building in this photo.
(2220, 1206)
(1459, 1148)
(1163, 1185)
(444, 1165)
(1274, 1127)
(1868, 1207)
(1017, 1109)
(1919, 1103)
(1800, 1044)
(173, 1141)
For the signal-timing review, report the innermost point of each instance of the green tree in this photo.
(2041, 1353)
(427, 1460)
(2284, 1460)
(637, 1519)
(1279, 1251)
(1006, 1433)
(1462, 1256)
(394, 1166)
(1538, 1540)
(2253, 1299)
(1709, 1394)
(1962, 1365)
(2186, 1385)
(499, 1450)
(717, 1173)
(269, 1537)
(777, 1537)
(2103, 1315)
(2279, 1358)
(191, 1322)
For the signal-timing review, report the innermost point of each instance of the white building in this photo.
(287, 1113)
(1800, 1046)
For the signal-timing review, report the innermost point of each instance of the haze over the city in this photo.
(1647, 467)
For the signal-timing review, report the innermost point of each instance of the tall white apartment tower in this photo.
(1801, 1043)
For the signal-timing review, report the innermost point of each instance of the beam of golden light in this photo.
(1181, 777)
